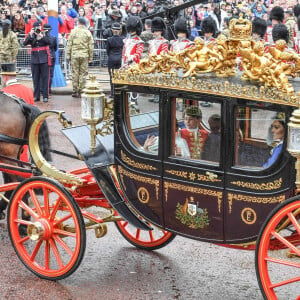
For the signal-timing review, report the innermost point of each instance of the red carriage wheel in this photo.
(277, 257)
(147, 240)
(53, 243)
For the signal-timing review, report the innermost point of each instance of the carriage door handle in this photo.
(212, 176)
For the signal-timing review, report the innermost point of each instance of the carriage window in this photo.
(143, 122)
(196, 129)
(259, 136)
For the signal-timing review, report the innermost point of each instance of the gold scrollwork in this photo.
(276, 184)
(182, 174)
(134, 164)
(139, 178)
(253, 199)
(187, 188)
(192, 175)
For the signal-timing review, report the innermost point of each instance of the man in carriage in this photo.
(194, 134)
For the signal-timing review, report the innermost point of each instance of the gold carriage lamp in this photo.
(294, 142)
(92, 107)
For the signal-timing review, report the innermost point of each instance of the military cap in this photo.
(36, 24)
(134, 24)
(209, 25)
(259, 26)
(47, 26)
(180, 25)
(158, 24)
(8, 69)
(81, 20)
(116, 26)
(280, 32)
(277, 13)
(193, 111)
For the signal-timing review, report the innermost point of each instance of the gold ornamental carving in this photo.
(253, 199)
(248, 216)
(183, 174)
(187, 188)
(134, 176)
(192, 176)
(276, 184)
(205, 68)
(135, 164)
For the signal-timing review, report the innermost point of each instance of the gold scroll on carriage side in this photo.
(194, 68)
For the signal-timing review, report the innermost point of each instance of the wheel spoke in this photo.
(285, 282)
(124, 224)
(63, 244)
(62, 219)
(47, 255)
(151, 235)
(46, 202)
(138, 232)
(282, 262)
(35, 250)
(24, 206)
(64, 232)
(36, 202)
(55, 208)
(295, 222)
(24, 222)
(56, 253)
(286, 242)
(24, 239)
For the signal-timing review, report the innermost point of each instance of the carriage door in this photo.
(193, 172)
(137, 148)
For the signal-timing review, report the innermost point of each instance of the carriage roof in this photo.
(266, 75)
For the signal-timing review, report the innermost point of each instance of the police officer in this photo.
(80, 48)
(40, 61)
(9, 43)
(53, 48)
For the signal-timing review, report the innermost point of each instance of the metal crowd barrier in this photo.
(99, 59)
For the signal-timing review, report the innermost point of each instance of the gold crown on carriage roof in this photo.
(240, 29)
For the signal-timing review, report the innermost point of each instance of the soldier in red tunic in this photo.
(276, 17)
(181, 32)
(158, 44)
(12, 86)
(259, 28)
(133, 45)
(194, 134)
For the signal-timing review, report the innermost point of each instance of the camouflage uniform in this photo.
(80, 48)
(9, 47)
(290, 24)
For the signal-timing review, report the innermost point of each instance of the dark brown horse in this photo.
(15, 119)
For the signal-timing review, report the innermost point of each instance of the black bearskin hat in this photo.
(134, 23)
(277, 13)
(297, 10)
(209, 25)
(259, 26)
(280, 32)
(158, 24)
(181, 26)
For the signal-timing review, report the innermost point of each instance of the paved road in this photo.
(113, 269)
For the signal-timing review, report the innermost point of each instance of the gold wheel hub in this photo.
(39, 230)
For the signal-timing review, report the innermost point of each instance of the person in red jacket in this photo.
(12, 86)
(65, 22)
(158, 45)
(133, 45)
(194, 133)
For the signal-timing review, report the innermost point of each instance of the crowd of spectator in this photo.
(100, 14)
